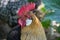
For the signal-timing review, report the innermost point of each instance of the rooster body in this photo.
(34, 31)
(14, 34)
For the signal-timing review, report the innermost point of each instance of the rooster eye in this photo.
(25, 16)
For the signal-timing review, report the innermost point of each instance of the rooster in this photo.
(33, 31)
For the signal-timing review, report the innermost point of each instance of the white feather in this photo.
(28, 22)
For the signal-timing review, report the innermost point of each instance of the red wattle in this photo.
(21, 22)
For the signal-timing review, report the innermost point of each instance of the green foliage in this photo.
(31, 0)
(58, 29)
(46, 23)
(58, 38)
(43, 9)
(49, 13)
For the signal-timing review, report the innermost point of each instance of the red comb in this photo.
(26, 8)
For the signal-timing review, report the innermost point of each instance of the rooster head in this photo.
(23, 13)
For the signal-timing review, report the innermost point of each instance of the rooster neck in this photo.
(34, 25)
(35, 21)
